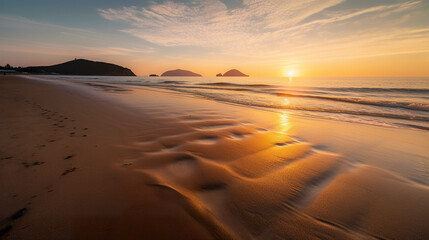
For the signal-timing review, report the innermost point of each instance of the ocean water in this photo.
(387, 102)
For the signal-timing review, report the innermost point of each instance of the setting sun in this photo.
(290, 73)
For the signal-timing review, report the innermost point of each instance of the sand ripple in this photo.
(244, 182)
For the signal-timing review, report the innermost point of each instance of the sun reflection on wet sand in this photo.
(284, 123)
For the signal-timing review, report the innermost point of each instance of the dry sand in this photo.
(75, 165)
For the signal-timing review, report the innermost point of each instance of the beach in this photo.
(99, 160)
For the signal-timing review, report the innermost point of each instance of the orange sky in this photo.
(261, 38)
(399, 65)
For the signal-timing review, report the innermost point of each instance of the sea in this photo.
(401, 102)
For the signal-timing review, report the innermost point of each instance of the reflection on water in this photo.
(286, 102)
(387, 102)
(284, 123)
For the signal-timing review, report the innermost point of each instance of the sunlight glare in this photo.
(291, 73)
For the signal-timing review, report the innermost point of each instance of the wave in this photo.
(414, 126)
(339, 89)
(378, 90)
(236, 84)
(221, 98)
(380, 103)
(253, 88)
(172, 82)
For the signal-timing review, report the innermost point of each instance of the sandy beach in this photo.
(100, 161)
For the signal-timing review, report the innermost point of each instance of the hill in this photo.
(81, 67)
(234, 73)
(180, 73)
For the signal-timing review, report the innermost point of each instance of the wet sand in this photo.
(100, 161)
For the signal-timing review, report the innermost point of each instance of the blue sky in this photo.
(213, 35)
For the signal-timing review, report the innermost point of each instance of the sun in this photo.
(290, 73)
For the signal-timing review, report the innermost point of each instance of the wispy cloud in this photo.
(22, 20)
(210, 23)
(269, 28)
(55, 39)
(119, 50)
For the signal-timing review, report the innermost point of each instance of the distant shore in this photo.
(86, 160)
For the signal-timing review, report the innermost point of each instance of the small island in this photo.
(180, 73)
(153, 75)
(219, 75)
(234, 73)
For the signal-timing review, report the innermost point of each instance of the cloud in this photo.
(119, 51)
(210, 23)
(272, 28)
(22, 20)
(54, 39)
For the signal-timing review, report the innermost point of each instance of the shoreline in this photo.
(402, 107)
(150, 166)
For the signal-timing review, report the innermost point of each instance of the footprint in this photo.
(19, 213)
(68, 171)
(4, 230)
(27, 165)
(8, 220)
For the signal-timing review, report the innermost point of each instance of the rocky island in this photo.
(234, 73)
(180, 73)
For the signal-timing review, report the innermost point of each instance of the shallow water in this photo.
(389, 102)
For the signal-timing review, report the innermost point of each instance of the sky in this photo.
(271, 38)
